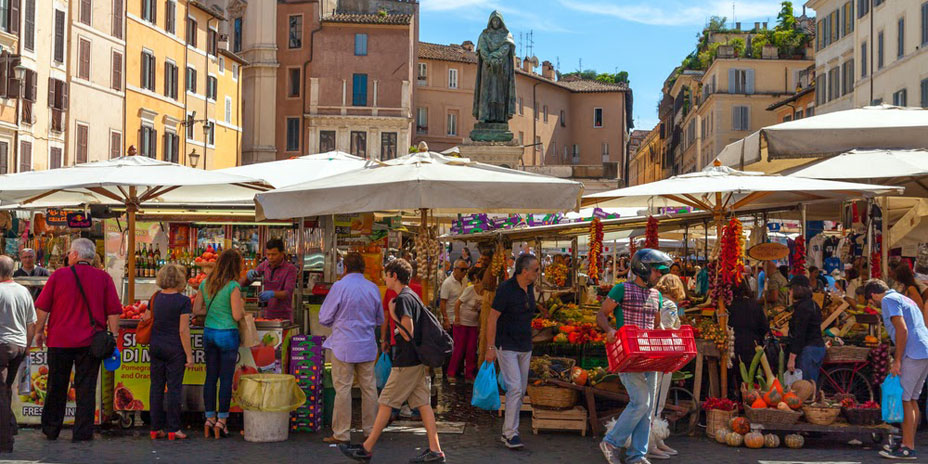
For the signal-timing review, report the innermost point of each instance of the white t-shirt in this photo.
(816, 245)
(451, 290)
(470, 307)
(16, 312)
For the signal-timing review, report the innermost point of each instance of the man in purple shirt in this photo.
(278, 278)
(352, 310)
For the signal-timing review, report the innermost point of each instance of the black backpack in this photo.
(432, 344)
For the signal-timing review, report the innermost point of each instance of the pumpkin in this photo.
(792, 400)
(754, 440)
(771, 440)
(721, 435)
(751, 396)
(740, 425)
(579, 376)
(759, 404)
(773, 397)
(776, 386)
(803, 389)
(794, 441)
(734, 439)
(782, 406)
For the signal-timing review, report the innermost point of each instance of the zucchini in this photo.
(758, 352)
(744, 372)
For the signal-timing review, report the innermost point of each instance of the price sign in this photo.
(56, 217)
(79, 220)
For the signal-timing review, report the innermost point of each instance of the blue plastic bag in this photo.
(892, 400)
(486, 392)
(382, 370)
(502, 383)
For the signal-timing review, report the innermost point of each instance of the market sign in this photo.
(79, 220)
(56, 217)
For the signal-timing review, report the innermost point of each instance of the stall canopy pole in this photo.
(722, 314)
(423, 228)
(131, 208)
(575, 263)
(885, 241)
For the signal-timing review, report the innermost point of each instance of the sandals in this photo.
(170, 435)
(221, 429)
(208, 426)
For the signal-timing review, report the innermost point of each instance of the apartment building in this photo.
(9, 101)
(252, 34)
(645, 163)
(873, 51)
(802, 103)
(558, 122)
(96, 79)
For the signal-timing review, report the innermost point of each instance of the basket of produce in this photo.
(868, 413)
(821, 413)
(550, 396)
(640, 350)
(719, 413)
(846, 353)
(543, 330)
(550, 367)
(771, 416)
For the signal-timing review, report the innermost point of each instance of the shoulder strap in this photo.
(151, 303)
(415, 322)
(93, 323)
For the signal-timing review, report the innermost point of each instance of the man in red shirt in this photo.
(70, 334)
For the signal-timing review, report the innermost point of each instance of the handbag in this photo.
(103, 343)
(143, 331)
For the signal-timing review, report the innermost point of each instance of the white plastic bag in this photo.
(790, 377)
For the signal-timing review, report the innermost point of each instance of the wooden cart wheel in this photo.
(681, 421)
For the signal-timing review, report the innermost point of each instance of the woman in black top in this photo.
(170, 350)
(805, 331)
(747, 319)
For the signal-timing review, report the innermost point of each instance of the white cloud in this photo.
(676, 12)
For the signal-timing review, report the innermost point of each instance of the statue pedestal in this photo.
(491, 132)
(506, 154)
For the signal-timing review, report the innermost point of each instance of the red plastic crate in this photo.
(640, 350)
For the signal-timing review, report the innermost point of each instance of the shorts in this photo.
(914, 373)
(407, 385)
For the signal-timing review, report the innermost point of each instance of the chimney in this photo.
(528, 66)
(517, 62)
(547, 70)
(765, 25)
(468, 45)
(738, 26)
(756, 25)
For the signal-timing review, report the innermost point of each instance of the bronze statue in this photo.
(495, 87)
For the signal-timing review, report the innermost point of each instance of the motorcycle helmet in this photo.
(646, 259)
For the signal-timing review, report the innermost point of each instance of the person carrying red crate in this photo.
(634, 303)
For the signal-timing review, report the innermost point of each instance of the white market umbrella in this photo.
(299, 169)
(132, 181)
(423, 181)
(908, 168)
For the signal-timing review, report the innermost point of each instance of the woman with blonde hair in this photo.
(220, 299)
(672, 292)
(170, 350)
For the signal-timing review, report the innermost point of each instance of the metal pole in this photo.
(575, 263)
(131, 208)
(300, 285)
(867, 259)
(884, 242)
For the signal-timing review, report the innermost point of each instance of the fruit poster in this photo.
(133, 378)
(27, 408)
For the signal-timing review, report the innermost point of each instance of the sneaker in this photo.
(512, 443)
(356, 452)
(611, 453)
(902, 453)
(405, 411)
(428, 456)
(892, 446)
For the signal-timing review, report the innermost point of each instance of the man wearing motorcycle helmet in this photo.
(634, 303)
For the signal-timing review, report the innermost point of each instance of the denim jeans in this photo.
(810, 361)
(635, 420)
(513, 366)
(221, 346)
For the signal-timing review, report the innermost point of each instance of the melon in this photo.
(794, 441)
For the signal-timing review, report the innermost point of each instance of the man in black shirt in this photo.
(509, 339)
(409, 380)
(29, 269)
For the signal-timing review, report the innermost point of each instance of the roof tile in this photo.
(367, 18)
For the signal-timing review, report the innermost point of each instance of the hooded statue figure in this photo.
(495, 87)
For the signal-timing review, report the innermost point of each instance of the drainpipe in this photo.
(534, 125)
(65, 117)
(304, 77)
(872, 58)
(186, 107)
(626, 141)
(206, 101)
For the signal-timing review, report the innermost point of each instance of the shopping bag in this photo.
(486, 392)
(892, 400)
(247, 331)
(382, 370)
(25, 376)
(790, 377)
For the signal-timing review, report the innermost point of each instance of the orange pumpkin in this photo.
(740, 425)
(578, 376)
(759, 403)
(751, 396)
(776, 385)
(773, 397)
(792, 400)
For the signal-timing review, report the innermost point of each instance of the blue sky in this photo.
(647, 38)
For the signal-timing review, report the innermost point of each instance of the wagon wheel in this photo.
(845, 380)
(681, 411)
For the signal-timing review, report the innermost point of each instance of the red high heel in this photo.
(177, 436)
(156, 435)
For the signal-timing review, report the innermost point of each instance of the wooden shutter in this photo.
(143, 68)
(141, 146)
(117, 71)
(749, 82)
(151, 72)
(117, 18)
(25, 156)
(12, 83)
(169, 16)
(63, 91)
(4, 158)
(4, 57)
(167, 79)
(85, 12)
(81, 144)
(84, 65)
(59, 36)
(732, 76)
(176, 148)
(51, 93)
(154, 11)
(14, 17)
(166, 142)
(31, 85)
(154, 144)
(115, 144)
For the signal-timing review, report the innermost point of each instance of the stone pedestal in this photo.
(491, 132)
(506, 154)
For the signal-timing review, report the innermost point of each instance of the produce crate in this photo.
(594, 355)
(526, 404)
(846, 353)
(640, 350)
(574, 419)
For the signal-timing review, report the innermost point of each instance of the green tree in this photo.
(738, 44)
(785, 19)
(716, 24)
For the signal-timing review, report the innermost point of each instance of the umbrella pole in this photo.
(131, 208)
(722, 313)
(423, 228)
(885, 241)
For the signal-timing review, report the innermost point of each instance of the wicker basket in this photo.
(846, 353)
(771, 416)
(717, 419)
(552, 397)
(819, 415)
(863, 416)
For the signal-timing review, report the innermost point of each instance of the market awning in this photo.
(423, 181)
(299, 169)
(908, 168)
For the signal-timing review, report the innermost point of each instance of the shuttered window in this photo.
(115, 144)
(54, 158)
(86, 7)
(741, 118)
(83, 59)
(29, 25)
(4, 158)
(25, 156)
(359, 90)
(117, 18)
(170, 16)
(117, 71)
(59, 36)
(80, 155)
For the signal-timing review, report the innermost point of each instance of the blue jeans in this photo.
(635, 420)
(221, 346)
(810, 361)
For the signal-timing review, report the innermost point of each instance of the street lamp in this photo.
(194, 158)
(20, 72)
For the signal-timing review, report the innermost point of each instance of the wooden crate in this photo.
(526, 404)
(569, 419)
